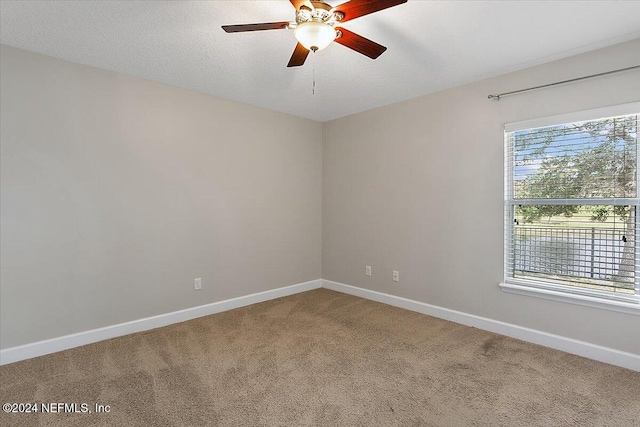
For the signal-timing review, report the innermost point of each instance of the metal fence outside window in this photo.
(574, 254)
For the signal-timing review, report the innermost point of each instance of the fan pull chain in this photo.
(313, 88)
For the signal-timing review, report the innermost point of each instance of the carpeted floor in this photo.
(327, 359)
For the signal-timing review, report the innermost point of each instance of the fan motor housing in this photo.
(321, 13)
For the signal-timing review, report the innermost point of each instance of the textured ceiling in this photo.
(432, 45)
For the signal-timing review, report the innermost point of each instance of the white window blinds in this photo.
(571, 204)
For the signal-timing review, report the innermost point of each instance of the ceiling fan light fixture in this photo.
(315, 35)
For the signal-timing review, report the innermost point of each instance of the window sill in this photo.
(630, 306)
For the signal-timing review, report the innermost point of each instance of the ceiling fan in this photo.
(316, 26)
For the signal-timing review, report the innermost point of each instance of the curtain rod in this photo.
(498, 96)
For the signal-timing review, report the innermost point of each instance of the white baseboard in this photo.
(40, 348)
(569, 345)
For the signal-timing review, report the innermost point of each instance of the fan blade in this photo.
(256, 27)
(360, 44)
(298, 3)
(299, 56)
(356, 8)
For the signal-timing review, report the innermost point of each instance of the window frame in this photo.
(629, 303)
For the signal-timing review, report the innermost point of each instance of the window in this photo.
(571, 205)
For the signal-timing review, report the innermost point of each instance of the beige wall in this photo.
(418, 187)
(117, 192)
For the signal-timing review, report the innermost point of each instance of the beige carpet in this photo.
(322, 358)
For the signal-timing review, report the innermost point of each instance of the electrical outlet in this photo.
(396, 276)
(367, 270)
(197, 284)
